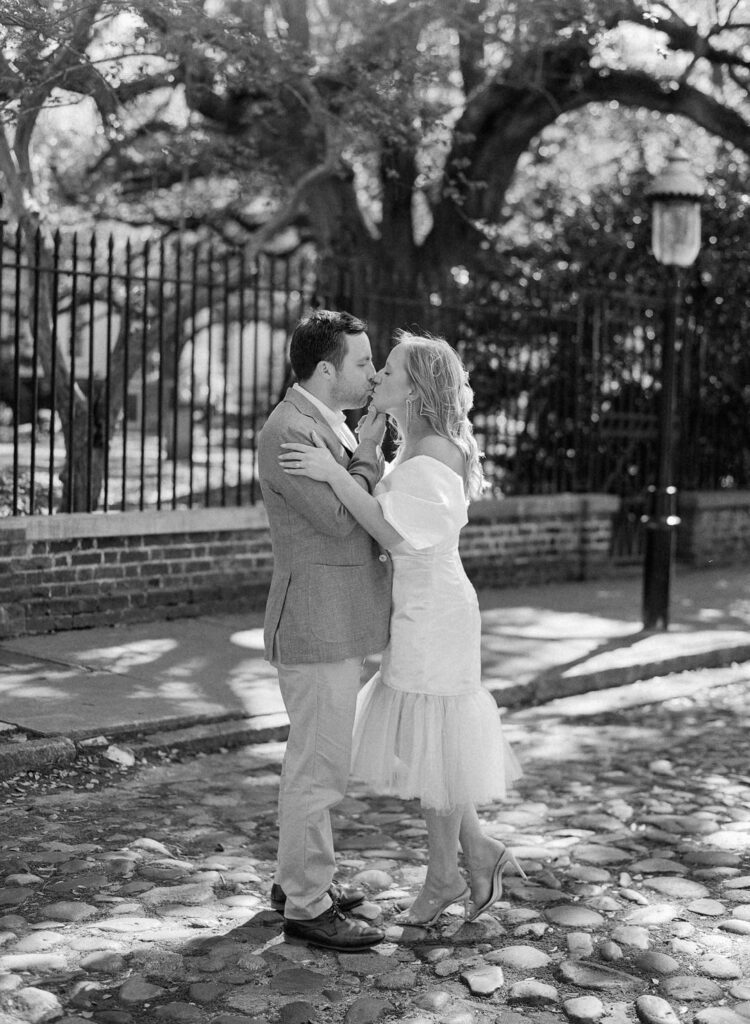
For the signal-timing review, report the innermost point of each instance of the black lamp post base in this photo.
(657, 573)
(658, 558)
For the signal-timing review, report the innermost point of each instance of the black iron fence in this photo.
(138, 376)
(567, 383)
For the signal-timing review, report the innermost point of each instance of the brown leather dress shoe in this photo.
(347, 896)
(333, 930)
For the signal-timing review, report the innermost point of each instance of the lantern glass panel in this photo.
(676, 231)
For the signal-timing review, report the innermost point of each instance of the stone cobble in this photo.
(143, 898)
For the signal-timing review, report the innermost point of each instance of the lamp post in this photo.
(675, 239)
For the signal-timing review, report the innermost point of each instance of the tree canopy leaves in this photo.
(404, 134)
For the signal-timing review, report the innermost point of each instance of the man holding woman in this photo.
(425, 727)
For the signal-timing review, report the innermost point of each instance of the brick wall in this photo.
(715, 528)
(537, 539)
(74, 571)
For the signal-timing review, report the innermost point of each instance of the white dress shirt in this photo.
(336, 420)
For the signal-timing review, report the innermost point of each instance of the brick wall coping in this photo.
(532, 506)
(699, 500)
(128, 524)
(207, 520)
(210, 520)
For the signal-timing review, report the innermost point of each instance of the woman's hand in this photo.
(311, 460)
(372, 425)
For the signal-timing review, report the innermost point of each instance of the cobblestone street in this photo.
(140, 895)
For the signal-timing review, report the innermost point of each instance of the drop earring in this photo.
(409, 411)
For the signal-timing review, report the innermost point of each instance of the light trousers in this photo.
(320, 700)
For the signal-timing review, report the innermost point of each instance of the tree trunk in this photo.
(83, 472)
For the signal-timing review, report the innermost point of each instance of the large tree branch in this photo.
(637, 89)
(86, 81)
(471, 42)
(122, 167)
(11, 82)
(70, 53)
(9, 172)
(501, 120)
(294, 13)
(682, 37)
(292, 207)
(398, 173)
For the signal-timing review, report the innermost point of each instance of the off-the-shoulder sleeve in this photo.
(424, 502)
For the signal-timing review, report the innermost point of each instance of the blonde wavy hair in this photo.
(444, 398)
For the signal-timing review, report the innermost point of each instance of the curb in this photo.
(569, 686)
(204, 737)
(213, 735)
(553, 686)
(209, 737)
(31, 754)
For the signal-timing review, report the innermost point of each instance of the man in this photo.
(328, 607)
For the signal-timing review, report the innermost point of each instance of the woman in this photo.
(425, 725)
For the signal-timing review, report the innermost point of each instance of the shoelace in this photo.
(336, 908)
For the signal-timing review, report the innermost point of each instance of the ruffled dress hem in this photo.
(443, 750)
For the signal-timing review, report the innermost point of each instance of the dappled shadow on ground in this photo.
(75, 683)
(692, 748)
(704, 598)
(701, 716)
(532, 635)
(623, 809)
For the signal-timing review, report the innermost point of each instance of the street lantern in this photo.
(675, 196)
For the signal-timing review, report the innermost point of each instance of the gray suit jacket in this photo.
(330, 594)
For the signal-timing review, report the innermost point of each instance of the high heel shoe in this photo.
(462, 897)
(505, 860)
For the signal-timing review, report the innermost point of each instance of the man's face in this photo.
(353, 380)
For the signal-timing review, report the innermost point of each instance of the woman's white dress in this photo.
(425, 726)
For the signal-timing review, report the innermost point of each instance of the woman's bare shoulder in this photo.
(442, 449)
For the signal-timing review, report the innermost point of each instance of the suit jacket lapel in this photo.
(302, 405)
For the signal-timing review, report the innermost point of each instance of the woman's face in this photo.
(392, 385)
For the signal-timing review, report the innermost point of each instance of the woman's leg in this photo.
(481, 853)
(443, 880)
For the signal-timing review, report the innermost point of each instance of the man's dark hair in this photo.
(321, 336)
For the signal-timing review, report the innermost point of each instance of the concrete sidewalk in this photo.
(203, 683)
